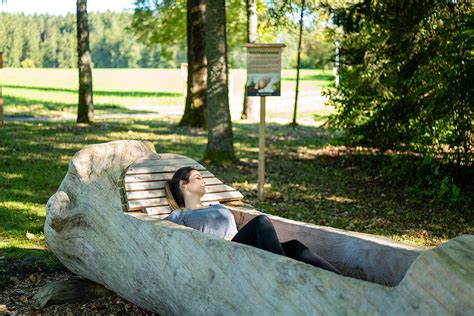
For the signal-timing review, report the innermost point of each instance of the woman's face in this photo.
(196, 184)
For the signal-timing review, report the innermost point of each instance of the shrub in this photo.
(406, 77)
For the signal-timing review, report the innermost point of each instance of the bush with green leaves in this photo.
(406, 77)
(430, 178)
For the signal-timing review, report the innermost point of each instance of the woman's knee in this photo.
(294, 245)
(263, 220)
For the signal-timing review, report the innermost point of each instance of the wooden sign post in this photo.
(184, 76)
(1, 87)
(263, 79)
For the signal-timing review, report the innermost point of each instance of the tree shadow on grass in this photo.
(21, 262)
(33, 107)
(35, 155)
(311, 180)
(130, 94)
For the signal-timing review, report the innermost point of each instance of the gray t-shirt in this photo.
(215, 219)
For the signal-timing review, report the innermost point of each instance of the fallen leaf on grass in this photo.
(33, 278)
(3, 308)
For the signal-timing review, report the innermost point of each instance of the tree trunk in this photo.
(85, 110)
(155, 263)
(194, 111)
(1, 96)
(220, 147)
(252, 33)
(68, 292)
(303, 4)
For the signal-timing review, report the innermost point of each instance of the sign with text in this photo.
(263, 69)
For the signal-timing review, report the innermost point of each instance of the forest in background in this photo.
(49, 41)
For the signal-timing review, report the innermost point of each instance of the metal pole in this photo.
(298, 65)
(261, 152)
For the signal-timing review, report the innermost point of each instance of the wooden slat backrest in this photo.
(144, 182)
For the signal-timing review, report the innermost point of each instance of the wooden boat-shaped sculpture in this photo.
(105, 223)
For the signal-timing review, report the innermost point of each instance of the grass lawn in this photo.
(53, 92)
(308, 178)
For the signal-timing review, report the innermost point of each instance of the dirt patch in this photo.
(21, 279)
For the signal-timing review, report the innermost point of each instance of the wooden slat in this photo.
(218, 188)
(224, 196)
(160, 157)
(142, 204)
(166, 162)
(152, 185)
(161, 210)
(145, 161)
(162, 168)
(158, 210)
(157, 176)
(150, 194)
(144, 183)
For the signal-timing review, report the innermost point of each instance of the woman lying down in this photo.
(184, 192)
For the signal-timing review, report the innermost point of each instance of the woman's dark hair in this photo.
(173, 192)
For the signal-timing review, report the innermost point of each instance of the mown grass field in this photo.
(309, 178)
(53, 92)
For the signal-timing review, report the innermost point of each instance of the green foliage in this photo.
(282, 18)
(160, 22)
(428, 178)
(406, 79)
(316, 54)
(165, 23)
(307, 179)
(154, 36)
(44, 39)
(50, 41)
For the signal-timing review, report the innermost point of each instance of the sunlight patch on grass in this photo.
(245, 185)
(340, 199)
(10, 176)
(418, 238)
(66, 146)
(36, 110)
(245, 147)
(45, 96)
(23, 245)
(29, 208)
(308, 179)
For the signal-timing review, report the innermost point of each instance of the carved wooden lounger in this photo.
(172, 269)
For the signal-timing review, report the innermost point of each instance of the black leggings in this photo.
(260, 233)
